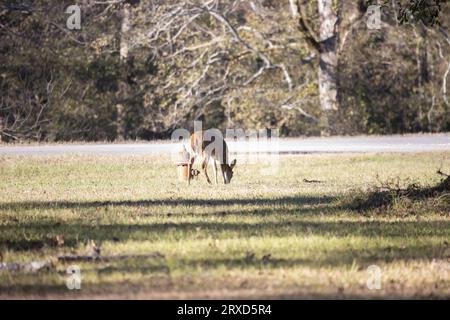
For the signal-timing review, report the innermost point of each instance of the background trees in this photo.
(139, 69)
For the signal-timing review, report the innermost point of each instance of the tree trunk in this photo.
(124, 32)
(326, 48)
(294, 8)
(124, 56)
(328, 56)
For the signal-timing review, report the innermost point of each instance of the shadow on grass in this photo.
(41, 234)
(359, 259)
(333, 258)
(160, 271)
(295, 200)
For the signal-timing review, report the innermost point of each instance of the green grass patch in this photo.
(289, 235)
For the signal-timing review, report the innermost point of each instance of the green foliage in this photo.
(426, 11)
(58, 84)
(390, 82)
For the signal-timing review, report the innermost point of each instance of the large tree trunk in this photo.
(325, 47)
(124, 32)
(328, 56)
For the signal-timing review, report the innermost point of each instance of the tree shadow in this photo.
(294, 200)
(289, 210)
(76, 233)
(273, 260)
(290, 223)
(161, 269)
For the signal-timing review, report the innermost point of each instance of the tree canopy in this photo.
(140, 69)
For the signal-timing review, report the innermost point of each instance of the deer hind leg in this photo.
(190, 165)
(223, 173)
(205, 167)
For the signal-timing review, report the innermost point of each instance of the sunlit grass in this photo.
(261, 236)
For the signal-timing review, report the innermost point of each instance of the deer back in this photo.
(200, 146)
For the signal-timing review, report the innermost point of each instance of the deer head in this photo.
(227, 171)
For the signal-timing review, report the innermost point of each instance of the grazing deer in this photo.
(204, 144)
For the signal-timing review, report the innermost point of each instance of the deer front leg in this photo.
(205, 167)
(215, 171)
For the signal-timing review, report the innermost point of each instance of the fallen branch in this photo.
(80, 258)
(312, 181)
(33, 266)
(439, 172)
(36, 266)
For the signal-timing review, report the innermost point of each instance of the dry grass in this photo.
(262, 236)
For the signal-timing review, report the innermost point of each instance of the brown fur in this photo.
(199, 148)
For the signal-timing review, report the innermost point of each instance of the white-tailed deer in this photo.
(210, 144)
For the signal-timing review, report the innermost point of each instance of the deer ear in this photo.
(233, 163)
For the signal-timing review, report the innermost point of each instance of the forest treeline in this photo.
(138, 69)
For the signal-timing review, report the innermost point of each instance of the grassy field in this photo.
(262, 236)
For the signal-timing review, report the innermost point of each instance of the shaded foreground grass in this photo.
(262, 236)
